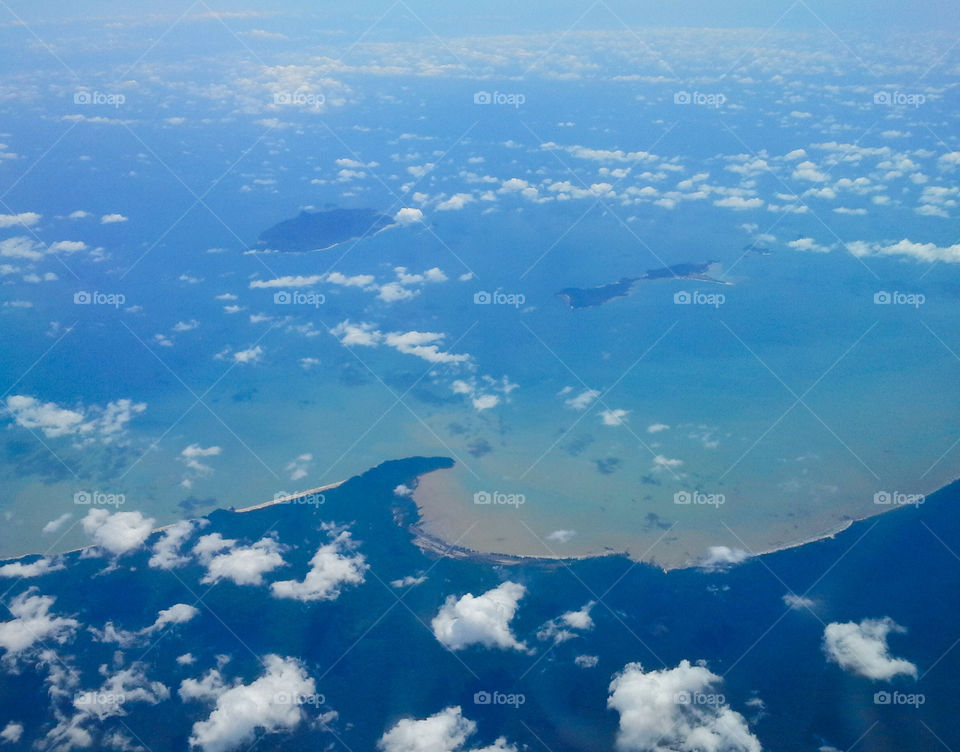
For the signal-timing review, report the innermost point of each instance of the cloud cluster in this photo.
(480, 619)
(660, 711)
(332, 567)
(179, 613)
(224, 559)
(425, 345)
(104, 423)
(568, 625)
(270, 703)
(166, 550)
(446, 731)
(32, 622)
(35, 568)
(862, 648)
(119, 532)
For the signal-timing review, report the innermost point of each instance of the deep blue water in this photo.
(374, 661)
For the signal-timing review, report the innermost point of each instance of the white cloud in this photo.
(118, 533)
(586, 661)
(357, 280)
(807, 244)
(408, 581)
(424, 345)
(446, 731)
(657, 428)
(949, 160)
(362, 334)
(480, 620)
(616, 417)
(11, 733)
(21, 247)
(862, 648)
(485, 401)
(808, 171)
(269, 703)
(332, 567)
(243, 565)
(179, 613)
(408, 216)
(166, 551)
(655, 718)
(54, 421)
(23, 219)
(661, 462)
(566, 626)
(35, 568)
(287, 281)
(67, 246)
(456, 202)
(738, 203)
(720, 558)
(251, 355)
(54, 525)
(191, 455)
(394, 291)
(797, 602)
(105, 423)
(299, 467)
(561, 536)
(33, 623)
(186, 326)
(583, 400)
(926, 252)
(110, 219)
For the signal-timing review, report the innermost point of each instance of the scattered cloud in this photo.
(862, 648)
(480, 620)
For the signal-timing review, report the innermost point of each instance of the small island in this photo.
(322, 230)
(589, 297)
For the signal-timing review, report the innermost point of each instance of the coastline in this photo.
(263, 505)
(437, 545)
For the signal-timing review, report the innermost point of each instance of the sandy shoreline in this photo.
(438, 545)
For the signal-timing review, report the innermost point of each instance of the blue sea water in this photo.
(375, 660)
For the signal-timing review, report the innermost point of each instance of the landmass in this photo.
(589, 297)
(322, 230)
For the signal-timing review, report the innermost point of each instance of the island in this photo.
(322, 230)
(589, 297)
